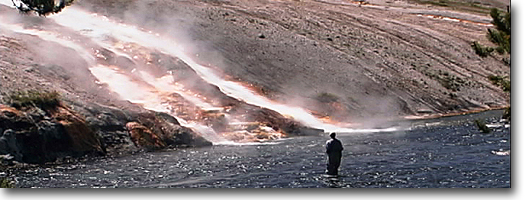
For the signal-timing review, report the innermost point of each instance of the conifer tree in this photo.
(42, 7)
(499, 36)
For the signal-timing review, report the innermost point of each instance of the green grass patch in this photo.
(43, 99)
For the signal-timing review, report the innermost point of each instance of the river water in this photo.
(447, 152)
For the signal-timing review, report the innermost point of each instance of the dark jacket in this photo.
(334, 146)
(334, 149)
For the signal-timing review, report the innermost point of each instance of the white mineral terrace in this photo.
(108, 33)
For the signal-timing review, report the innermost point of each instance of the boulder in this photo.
(170, 130)
(8, 145)
(424, 111)
(178, 136)
(277, 121)
(82, 138)
(115, 125)
(144, 137)
(34, 135)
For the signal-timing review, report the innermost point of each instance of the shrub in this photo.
(482, 126)
(505, 85)
(327, 97)
(501, 82)
(5, 183)
(501, 39)
(506, 114)
(481, 50)
(34, 98)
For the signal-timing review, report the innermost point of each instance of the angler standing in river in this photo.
(334, 149)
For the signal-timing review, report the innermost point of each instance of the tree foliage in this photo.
(499, 36)
(482, 50)
(500, 81)
(42, 7)
(502, 22)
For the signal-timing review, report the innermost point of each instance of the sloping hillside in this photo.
(354, 61)
(342, 58)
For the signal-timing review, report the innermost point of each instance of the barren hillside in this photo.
(350, 60)
(375, 58)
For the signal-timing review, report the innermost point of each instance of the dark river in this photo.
(440, 153)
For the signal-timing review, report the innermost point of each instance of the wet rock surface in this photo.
(35, 135)
(143, 137)
(131, 129)
(38, 136)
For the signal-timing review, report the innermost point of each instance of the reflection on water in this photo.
(449, 154)
(434, 153)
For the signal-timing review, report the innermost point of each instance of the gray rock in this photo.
(29, 69)
(424, 111)
(9, 145)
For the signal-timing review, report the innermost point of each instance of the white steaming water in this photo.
(147, 95)
(122, 85)
(49, 36)
(168, 85)
(101, 30)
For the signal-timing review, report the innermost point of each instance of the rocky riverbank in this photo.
(357, 63)
(84, 118)
(40, 135)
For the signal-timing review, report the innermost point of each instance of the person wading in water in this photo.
(334, 147)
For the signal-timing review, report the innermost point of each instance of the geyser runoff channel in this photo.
(99, 28)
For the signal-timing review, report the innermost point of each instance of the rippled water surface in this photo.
(438, 153)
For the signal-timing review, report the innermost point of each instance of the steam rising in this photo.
(152, 92)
